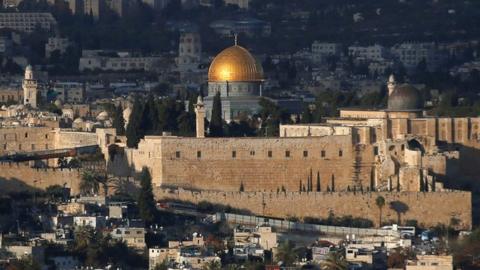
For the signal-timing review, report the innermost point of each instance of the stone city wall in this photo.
(428, 208)
(16, 177)
(256, 164)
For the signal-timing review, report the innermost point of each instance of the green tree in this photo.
(307, 116)
(286, 253)
(25, 263)
(89, 183)
(133, 133)
(149, 123)
(161, 266)
(118, 121)
(212, 265)
(334, 261)
(146, 202)
(380, 202)
(216, 122)
(319, 188)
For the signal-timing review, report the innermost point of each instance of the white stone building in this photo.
(27, 21)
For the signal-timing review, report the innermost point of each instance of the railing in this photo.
(297, 226)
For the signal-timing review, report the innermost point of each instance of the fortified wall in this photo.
(21, 177)
(253, 164)
(428, 208)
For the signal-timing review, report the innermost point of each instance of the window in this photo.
(46, 136)
(234, 154)
(322, 153)
(177, 154)
(5, 147)
(33, 146)
(375, 150)
(305, 153)
(287, 153)
(252, 153)
(270, 153)
(199, 154)
(340, 153)
(20, 147)
(26, 135)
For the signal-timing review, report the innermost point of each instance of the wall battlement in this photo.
(18, 177)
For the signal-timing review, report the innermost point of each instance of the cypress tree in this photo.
(149, 120)
(319, 188)
(216, 122)
(118, 121)
(333, 183)
(146, 202)
(132, 132)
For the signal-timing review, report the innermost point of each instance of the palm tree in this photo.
(334, 261)
(286, 253)
(380, 201)
(89, 183)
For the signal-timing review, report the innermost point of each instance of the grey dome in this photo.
(405, 97)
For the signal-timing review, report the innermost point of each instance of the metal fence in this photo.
(298, 226)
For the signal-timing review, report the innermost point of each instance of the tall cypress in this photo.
(216, 122)
(146, 202)
(132, 132)
(118, 121)
(149, 120)
(319, 188)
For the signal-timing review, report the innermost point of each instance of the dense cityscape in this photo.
(239, 134)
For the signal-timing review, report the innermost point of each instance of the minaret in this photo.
(30, 88)
(391, 84)
(200, 119)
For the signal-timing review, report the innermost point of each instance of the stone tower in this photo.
(30, 88)
(391, 84)
(200, 119)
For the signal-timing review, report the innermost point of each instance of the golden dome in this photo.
(235, 64)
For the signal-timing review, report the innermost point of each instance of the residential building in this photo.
(115, 61)
(27, 21)
(247, 26)
(243, 4)
(56, 44)
(411, 54)
(95, 222)
(133, 237)
(69, 92)
(6, 46)
(367, 53)
(321, 50)
(430, 262)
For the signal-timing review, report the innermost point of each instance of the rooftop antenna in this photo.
(236, 38)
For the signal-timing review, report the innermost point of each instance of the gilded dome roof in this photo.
(235, 64)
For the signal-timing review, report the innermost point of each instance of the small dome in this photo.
(102, 116)
(58, 103)
(29, 68)
(235, 64)
(405, 97)
(78, 120)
